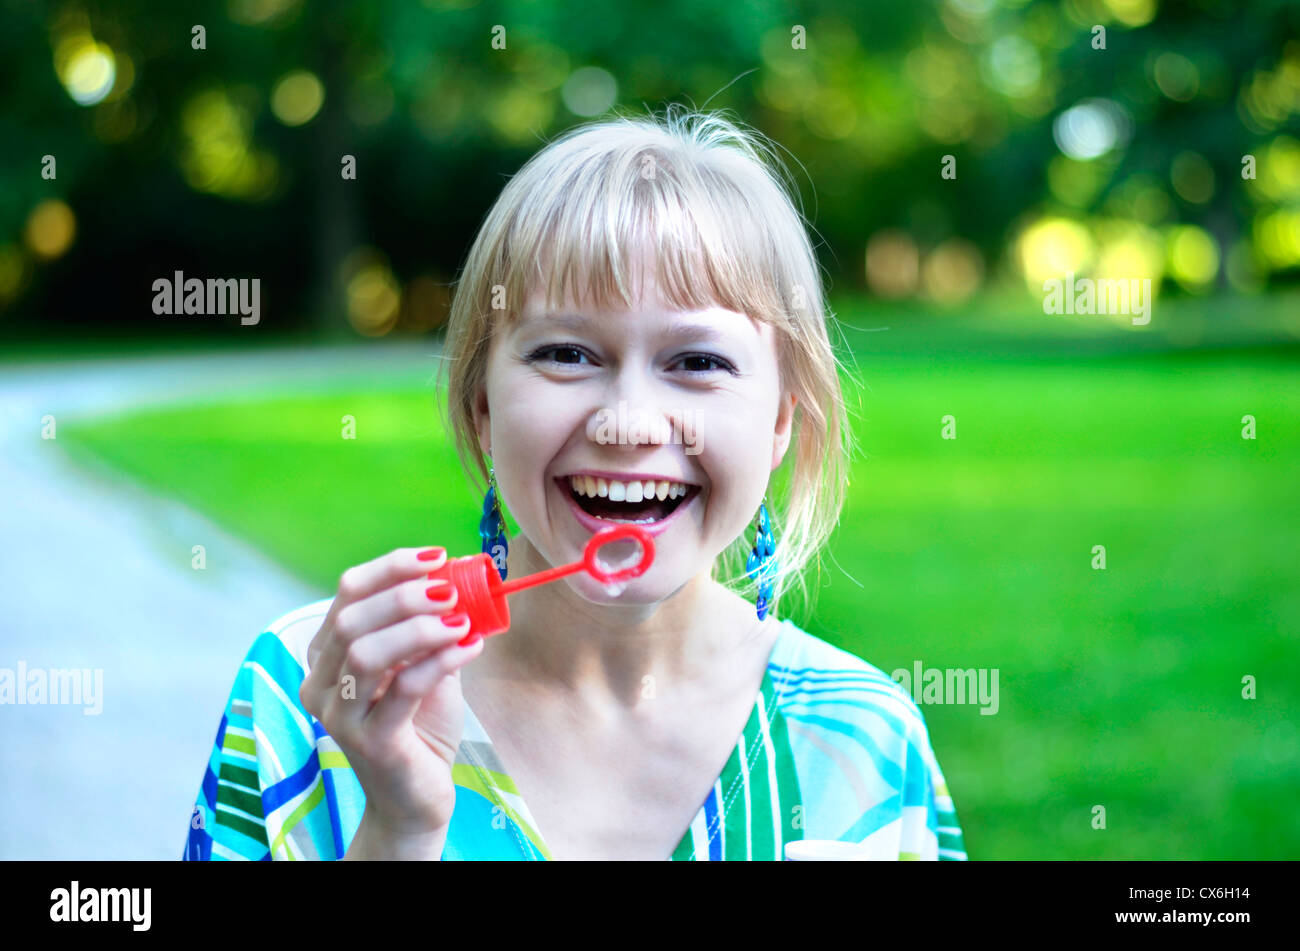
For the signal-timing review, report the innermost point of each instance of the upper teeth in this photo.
(626, 491)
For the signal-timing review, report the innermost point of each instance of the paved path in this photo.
(95, 573)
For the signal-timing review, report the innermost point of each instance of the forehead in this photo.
(713, 323)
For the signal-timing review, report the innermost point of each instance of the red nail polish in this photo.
(455, 620)
(440, 590)
(431, 554)
(469, 640)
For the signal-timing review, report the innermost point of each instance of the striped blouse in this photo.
(834, 749)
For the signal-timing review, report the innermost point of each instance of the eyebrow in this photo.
(706, 333)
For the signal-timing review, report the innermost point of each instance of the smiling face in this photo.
(625, 397)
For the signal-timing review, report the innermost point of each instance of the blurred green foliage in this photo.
(226, 159)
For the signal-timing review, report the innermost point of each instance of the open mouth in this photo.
(637, 502)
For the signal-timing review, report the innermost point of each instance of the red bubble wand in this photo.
(481, 593)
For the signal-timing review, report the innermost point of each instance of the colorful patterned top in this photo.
(834, 749)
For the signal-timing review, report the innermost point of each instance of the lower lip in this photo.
(593, 524)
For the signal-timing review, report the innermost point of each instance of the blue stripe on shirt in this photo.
(711, 822)
(290, 786)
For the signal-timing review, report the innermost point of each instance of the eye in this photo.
(697, 359)
(563, 354)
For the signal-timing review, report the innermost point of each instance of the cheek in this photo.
(737, 462)
(728, 442)
(533, 430)
(531, 413)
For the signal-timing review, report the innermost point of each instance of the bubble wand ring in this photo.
(481, 594)
(589, 564)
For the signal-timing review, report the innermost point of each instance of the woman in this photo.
(639, 334)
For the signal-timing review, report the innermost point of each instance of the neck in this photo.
(619, 656)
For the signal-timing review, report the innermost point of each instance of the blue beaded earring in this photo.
(492, 527)
(762, 565)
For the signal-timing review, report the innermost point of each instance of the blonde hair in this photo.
(710, 198)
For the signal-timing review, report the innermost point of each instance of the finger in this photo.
(369, 659)
(360, 581)
(379, 611)
(385, 610)
(412, 685)
(377, 657)
(401, 601)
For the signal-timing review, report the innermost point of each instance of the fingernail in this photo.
(455, 620)
(439, 590)
(469, 640)
(431, 554)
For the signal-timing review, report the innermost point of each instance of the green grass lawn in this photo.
(1118, 687)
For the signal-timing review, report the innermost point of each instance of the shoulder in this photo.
(862, 752)
(279, 652)
(292, 632)
(301, 792)
(272, 674)
(808, 672)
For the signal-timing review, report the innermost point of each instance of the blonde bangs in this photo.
(587, 212)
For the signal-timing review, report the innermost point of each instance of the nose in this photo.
(636, 418)
(622, 425)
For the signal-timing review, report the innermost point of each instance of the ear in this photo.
(784, 427)
(482, 421)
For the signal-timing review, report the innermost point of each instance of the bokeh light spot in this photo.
(1133, 13)
(297, 97)
(1091, 129)
(1279, 170)
(590, 91)
(1193, 256)
(1192, 178)
(1177, 76)
(1277, 236)
(1012, 67)
(1129, 251)
(1051, 248)
(218, 156)
(374, 297)
(521, 114)
(893, 264)
(13, 269)
(87, 69)
(50, 229)
(953, 271)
